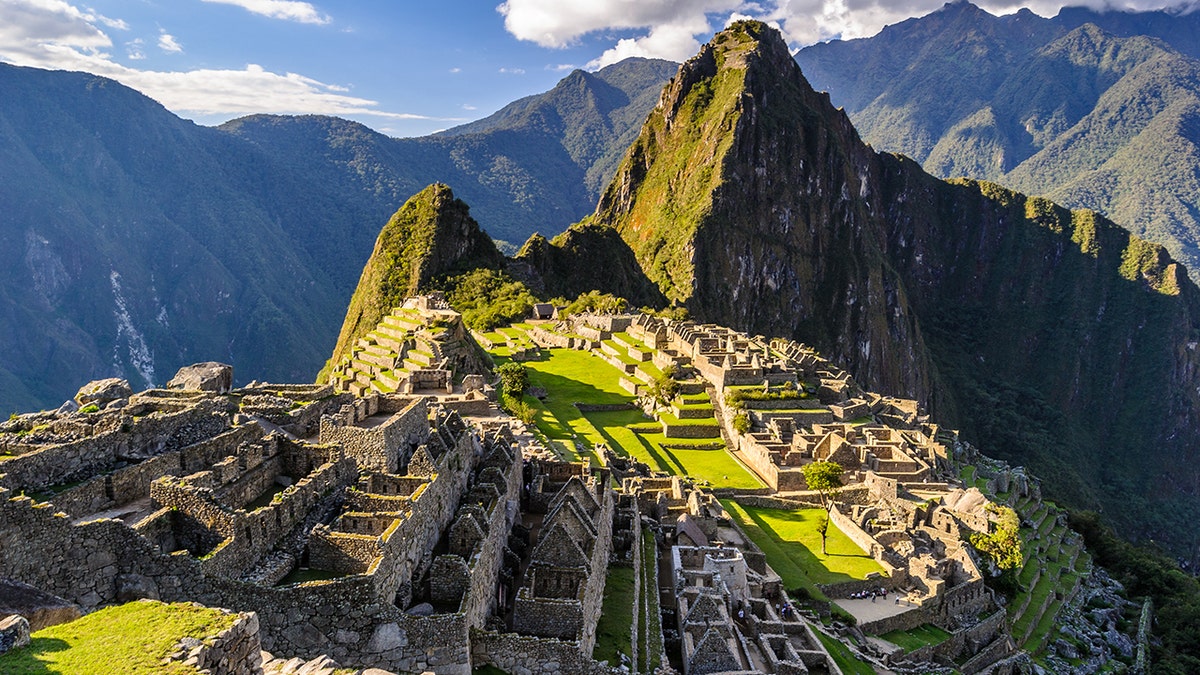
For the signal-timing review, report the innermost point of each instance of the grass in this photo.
(716, 467)
(795, 544)
(132, 638)
(571, 376)
(916, 638)
(650, 618)
(846, 661)
(614, 632)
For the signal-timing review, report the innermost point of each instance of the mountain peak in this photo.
(430, 236)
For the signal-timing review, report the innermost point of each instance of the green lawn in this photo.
(790, 538)
(916, 638)
(614, 632)
(717, 467)
(571, 376)
(132, 638)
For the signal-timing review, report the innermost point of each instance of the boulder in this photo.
(40, 608)
(209, 376)
(101, 392)
(67, 408)
(132, 587)
(14, 632)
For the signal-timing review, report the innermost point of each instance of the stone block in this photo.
(208, 376)
(41, 609)
(101, 392)
(14, 633)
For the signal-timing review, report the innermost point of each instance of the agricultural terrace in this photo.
(571, 376)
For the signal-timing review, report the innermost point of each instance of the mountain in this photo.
(537, 164)
(137, 242)
(1058, 107)
(132, 245)
(432, 235)
(1053, 338)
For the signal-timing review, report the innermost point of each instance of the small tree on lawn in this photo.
(514, 378)
(824, 477)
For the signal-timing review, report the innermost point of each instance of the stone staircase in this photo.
(382, 361)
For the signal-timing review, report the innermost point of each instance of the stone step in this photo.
(385, 361)
(387, 341)
(388, 379)
(403, 323)
(393, 332)
(423, 358)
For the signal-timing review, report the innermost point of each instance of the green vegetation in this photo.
(614, 631)
(741, 422)
(488, 298)
(1148, 572)
(826, 478)
(1002, 545)
(650, 619)
(736, 397)
(514, 378)
(431, 236)
(89, 408)
(136, 636)
(845, 660)
(595, 302)
(790, 540)
(675, 194)
(916, 638)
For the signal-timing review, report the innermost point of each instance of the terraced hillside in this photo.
(404, 350)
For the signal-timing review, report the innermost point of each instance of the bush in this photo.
(90, 408)
(513, 378)
(741, 422)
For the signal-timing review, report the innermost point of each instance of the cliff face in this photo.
(431, 235)
(1053, 338)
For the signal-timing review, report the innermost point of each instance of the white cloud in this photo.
(288, 10)
(673, 29)
(512, 71)
(168, 43)
(56, 35)
(456, 70)
(562, 67)
(468, 106)
(134, 51)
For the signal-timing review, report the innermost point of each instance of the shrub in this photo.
(90, 408)
(741, 422)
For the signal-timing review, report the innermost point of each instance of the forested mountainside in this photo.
(138, 242)
(1092, 109)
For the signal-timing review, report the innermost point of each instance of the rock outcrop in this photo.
(208, 376)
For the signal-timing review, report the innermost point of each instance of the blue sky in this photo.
(405, 68)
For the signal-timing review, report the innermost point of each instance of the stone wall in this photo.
(236, 650)
(134, 438)
(383, 447)
(533, 656)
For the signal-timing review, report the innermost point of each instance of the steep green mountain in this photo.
(1057, 107)
(432, 235)
(1052, 338)
(137, 242)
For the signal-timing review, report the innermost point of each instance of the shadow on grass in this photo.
(27, 661)
(798, 552)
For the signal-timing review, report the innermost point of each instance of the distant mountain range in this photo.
(1092, 109)
(137, 242)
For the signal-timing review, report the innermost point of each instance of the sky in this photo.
(403, 67)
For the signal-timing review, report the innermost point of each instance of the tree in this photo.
(1003, 543)
(825, 477)
(514, 378)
